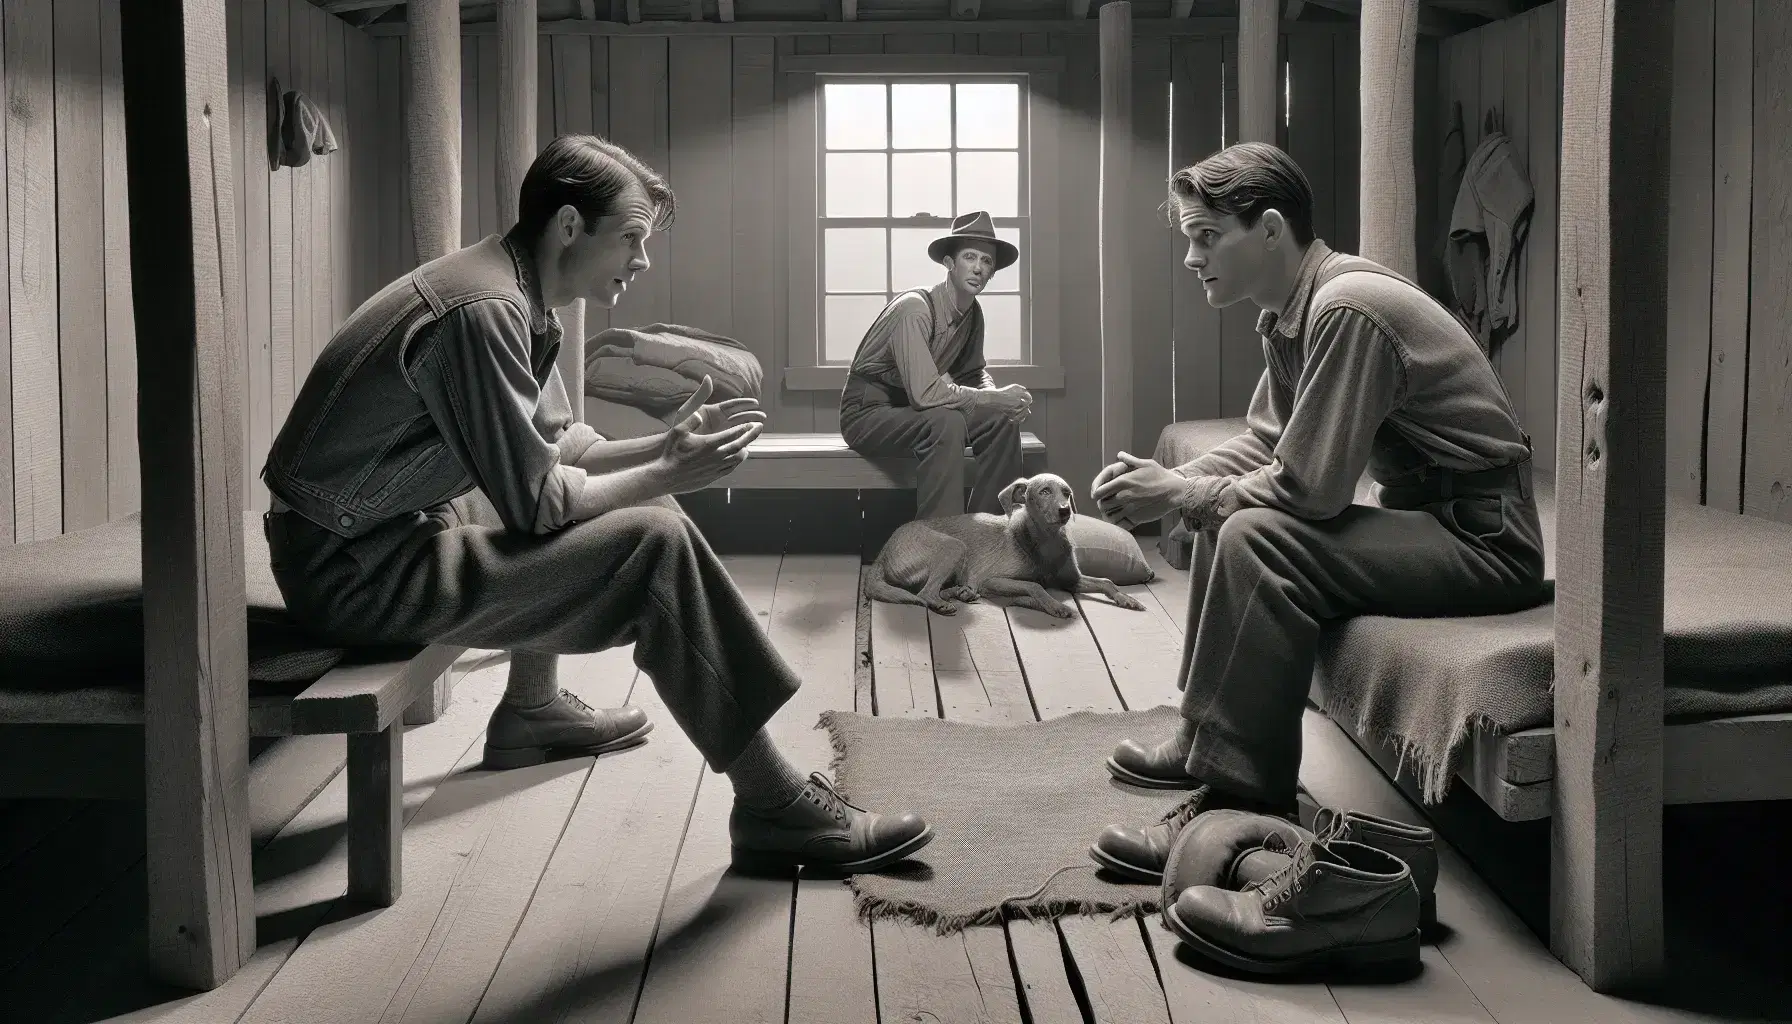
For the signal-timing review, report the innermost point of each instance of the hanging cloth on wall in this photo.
(303, 129)
(1488, 228)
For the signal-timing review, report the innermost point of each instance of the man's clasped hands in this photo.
(1134, 491)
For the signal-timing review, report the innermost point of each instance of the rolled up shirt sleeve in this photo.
(475, 377)
(1353, 378)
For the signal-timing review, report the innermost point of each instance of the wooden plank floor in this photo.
(596, 889)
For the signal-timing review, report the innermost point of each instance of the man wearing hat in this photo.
(919, 386)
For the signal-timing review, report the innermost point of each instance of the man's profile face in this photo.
(971, 267)
(1228, 256)
(602, 263)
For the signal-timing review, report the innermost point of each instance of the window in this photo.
(900, 157)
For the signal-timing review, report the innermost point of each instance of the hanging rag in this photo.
(303, 129)
(1488, 227)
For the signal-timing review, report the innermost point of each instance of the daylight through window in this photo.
(901, 157)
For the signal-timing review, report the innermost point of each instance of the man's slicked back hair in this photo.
(590, 174)
(1244, 180)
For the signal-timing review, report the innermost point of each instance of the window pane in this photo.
(844, 320)
(921, 116)
(854, 258)
(855, 115)
(1001, 327)
(989, 181)
(988, 115)
(856, 185)
(920, 183)
(909, 266)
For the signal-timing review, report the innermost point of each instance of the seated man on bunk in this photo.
(918, 385)
(1364, 370)
(432, 485)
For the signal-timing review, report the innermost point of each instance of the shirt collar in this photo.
(1293, 317)
(541, 318)
(942, 294)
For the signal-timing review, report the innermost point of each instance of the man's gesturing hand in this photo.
(1135, 491)
(695, 456)
(700, 418)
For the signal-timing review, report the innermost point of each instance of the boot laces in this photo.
(1185, 812)
(572, 698)
(822, 793)
(1290, 879)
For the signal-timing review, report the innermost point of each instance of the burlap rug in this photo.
(1010, 807)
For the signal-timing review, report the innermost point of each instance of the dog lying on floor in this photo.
(934, 562)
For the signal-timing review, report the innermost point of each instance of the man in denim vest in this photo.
(433, 485)
(1364, 371)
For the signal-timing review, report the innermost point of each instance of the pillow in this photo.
(1103, 549)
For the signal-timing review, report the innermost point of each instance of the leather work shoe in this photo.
(1338, 904)
(1164, 766)
(1416, 845)
(1138, 854)
(821, 829)
(518, 737)
(1211, 848)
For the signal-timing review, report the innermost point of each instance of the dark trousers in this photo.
(874, 423)
(642, 575)
(1263, 585)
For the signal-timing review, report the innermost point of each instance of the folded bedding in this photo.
(657, 367)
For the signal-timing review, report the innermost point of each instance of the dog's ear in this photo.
(1013, 494)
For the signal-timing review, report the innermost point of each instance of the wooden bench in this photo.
(824, 462)
(88, 744)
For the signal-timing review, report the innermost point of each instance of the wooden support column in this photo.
(1605, 890)
(1259, 71)
(432, 121)
(184, 262)
(1389, 211)
(1116, 199)
(432, 118)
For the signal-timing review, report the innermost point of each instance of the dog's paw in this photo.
(944, 607)
(1129, 602)
(1064, 611)
(965, 594)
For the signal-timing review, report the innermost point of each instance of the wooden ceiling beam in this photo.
(1432, 20)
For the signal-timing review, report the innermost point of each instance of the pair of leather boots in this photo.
(1261, 894)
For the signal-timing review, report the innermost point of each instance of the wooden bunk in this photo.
(126, 649)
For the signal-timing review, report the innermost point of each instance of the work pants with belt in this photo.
(875, 421)
(1263, 585)
(642, 575)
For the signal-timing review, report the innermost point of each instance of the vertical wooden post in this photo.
(1116, 200)
(432, 117)
(1605, 890)
(189, 380)
(1259, 70)
(1389, 210)
(432, 124)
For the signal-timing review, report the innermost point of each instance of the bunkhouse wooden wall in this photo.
(309, 236)
(1512, 67)
(1729, 404)
(704, 110)
(68, 378)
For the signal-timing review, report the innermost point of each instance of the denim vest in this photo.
(359, 447)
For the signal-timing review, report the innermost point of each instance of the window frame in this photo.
(1039, 79)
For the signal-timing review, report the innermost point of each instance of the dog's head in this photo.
(1048, 500)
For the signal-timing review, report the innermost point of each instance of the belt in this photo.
(1448, 480)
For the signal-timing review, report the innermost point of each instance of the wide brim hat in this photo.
(973, 227)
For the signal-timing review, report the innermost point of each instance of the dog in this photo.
(934, 562)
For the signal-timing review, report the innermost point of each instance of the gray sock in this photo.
(763, 778)
(534, 679)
